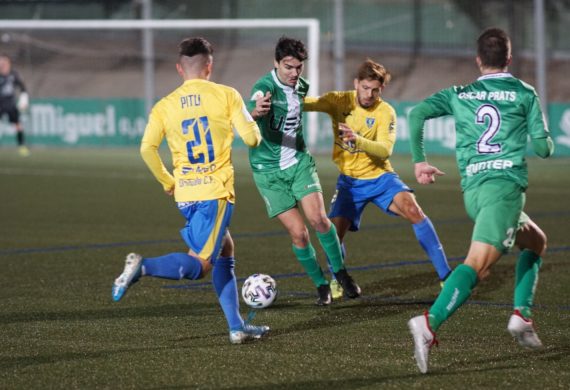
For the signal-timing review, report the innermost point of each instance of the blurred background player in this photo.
(364, 128)
(284, 171)
(10, 81)
(493, 116)
(197, 120)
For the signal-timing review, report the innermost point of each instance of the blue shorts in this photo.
(206, 224)
(352, 195)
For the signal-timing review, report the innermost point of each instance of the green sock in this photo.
(526, 279)
(308, 259)
(456, 290)
(331, 245)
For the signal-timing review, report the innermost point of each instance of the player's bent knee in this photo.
(206, 267)
(415, 214)
(300, 237)
(320, 223)
(531, 237)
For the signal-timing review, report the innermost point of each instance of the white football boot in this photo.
(424, 339)
(248, 332)
(523, 330)
(130, 275)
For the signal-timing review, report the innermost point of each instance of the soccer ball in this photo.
(259, 291)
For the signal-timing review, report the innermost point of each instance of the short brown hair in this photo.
(290, 47)
(494, 48)
(190, 47)
(370, 70)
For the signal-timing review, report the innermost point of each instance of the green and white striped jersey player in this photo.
(494, 117)
(285, 172)
(283, 143)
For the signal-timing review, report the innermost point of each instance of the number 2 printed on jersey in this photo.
(487, 113)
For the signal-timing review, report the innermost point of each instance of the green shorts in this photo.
(496, 208)
(281, 190)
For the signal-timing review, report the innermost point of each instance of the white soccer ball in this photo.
(259, 291)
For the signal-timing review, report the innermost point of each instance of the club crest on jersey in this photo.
(370, 122)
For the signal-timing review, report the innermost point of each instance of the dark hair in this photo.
(190, 47)
(370, 70)
(493, 48)
(290, 47)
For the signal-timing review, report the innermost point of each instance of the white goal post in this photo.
(312, 26)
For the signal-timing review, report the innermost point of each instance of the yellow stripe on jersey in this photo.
(208, 249)
(197, 120)
(368, 158)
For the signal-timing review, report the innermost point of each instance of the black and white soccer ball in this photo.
(259, 291)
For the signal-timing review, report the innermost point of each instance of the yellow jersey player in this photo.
(364, 129)
(197, 120)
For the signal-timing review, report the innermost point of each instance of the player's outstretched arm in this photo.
(426, 173)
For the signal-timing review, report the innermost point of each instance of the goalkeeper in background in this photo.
(10, 81)
(197, 120)
(364, 128)
(494, 116)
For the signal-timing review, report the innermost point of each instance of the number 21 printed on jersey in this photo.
(201, 130)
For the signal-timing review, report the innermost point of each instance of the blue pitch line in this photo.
(396, 264)
(8, 252)
(302, 294)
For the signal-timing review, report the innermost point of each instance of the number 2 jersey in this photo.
(197, 120)
(493, 118)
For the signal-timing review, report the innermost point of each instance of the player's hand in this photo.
(346, 133)
(169, 191)
(425, 173)
(262, 106)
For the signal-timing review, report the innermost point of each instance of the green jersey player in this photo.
(285, 172)
(494, 116)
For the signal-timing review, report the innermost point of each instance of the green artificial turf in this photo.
(69, 216)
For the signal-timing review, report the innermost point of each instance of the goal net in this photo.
(92, 82)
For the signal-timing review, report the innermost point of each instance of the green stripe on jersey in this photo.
(282, 128)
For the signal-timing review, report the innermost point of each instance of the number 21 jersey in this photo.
(197, 120)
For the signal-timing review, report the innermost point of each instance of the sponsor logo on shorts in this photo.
(312, 185)
(334, 197)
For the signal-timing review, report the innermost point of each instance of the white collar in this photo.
(495, 76)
